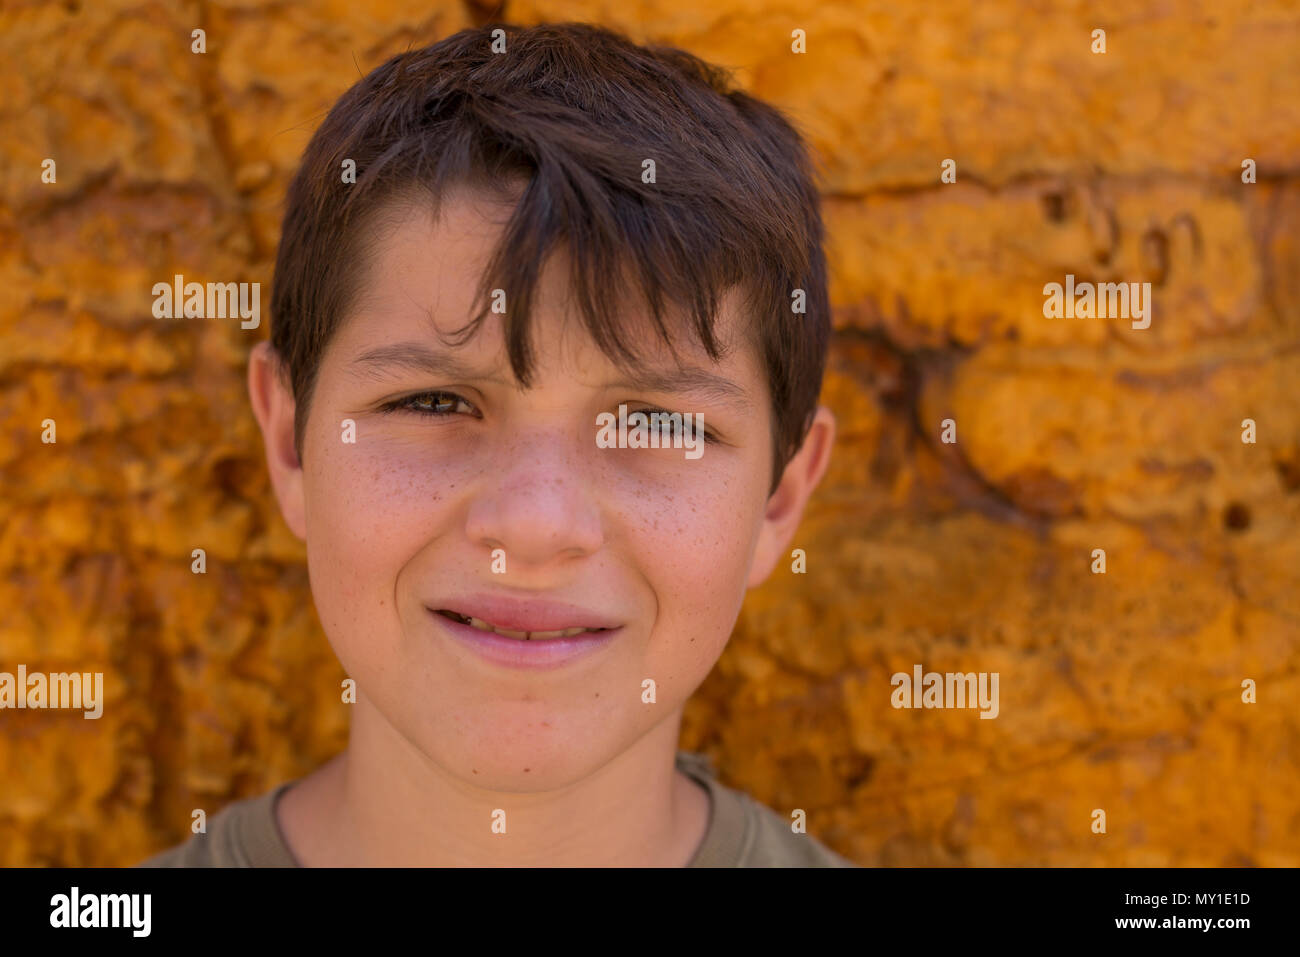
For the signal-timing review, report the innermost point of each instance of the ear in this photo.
(786, 504)
(273, 405)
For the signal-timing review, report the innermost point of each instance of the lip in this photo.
(524, 614)
(544, 653)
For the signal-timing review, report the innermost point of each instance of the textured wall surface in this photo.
(1119, 691)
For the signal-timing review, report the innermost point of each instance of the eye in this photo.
(709, 437)
(431, 404)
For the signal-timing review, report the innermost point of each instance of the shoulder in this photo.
(744, 833)
(775, 845)
(242, 834)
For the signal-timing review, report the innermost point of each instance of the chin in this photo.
(520, 752)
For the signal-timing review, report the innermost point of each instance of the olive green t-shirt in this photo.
(741, 833)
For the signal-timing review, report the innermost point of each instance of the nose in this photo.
(537, 505)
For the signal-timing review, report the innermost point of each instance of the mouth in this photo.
(487, 626)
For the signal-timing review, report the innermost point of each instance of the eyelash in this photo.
(709, 437)
(406, 405)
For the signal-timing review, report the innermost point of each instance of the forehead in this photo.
(419, 280)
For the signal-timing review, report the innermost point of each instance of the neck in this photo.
(384, 803)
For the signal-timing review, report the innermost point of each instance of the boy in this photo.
(547, 228)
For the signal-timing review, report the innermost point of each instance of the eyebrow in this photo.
(381, 361)
(689, 380)
(385, 360)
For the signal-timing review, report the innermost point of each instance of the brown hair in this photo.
(572, 110)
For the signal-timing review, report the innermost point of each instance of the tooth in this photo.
(482, 625)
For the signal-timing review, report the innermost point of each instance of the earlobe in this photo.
(785, 506)
(274, 408)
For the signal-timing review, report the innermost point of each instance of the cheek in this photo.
(370, 507)
(694, 547)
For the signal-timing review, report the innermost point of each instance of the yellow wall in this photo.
(1118, 691)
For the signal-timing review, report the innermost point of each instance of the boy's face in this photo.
(415, 514)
